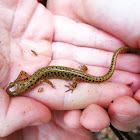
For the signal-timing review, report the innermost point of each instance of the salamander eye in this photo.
(11, 84)
(14, 94)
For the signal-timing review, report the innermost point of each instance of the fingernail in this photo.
(38, 123)
(125, 118)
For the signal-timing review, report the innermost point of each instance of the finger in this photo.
(103, 16)
(72, 118)
(96, 57)
(83, 35)
(94, 118)
(99, 8)
(20, 112)
(137, 96)
(124, 113)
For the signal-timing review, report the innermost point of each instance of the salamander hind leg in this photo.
(83, 68)
(72, 86)
(21, 74)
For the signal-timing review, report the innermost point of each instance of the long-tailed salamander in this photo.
(42, 75)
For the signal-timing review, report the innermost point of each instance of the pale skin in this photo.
(69, 33)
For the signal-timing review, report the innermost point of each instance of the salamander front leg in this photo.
(50, 83)
(72, 86)
(22, 73)
(46, 81)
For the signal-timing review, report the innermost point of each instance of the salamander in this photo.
(42, 75)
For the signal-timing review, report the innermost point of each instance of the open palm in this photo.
(58, 40)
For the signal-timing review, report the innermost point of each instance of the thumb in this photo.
(20, 112)
(124, 113)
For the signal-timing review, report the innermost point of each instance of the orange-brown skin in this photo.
(42, 75)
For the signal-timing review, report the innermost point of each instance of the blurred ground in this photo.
(108, 134)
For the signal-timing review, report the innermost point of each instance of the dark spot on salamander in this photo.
(61, 68)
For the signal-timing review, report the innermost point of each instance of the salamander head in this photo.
(13, 89)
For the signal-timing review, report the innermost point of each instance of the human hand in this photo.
(29, 26)
(112, 27)
(27, 33)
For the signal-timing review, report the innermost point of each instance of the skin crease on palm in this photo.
(69, 33)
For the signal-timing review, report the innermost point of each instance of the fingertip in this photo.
(95, 118)
(137, 96)
(124, 113)
(72, 118)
